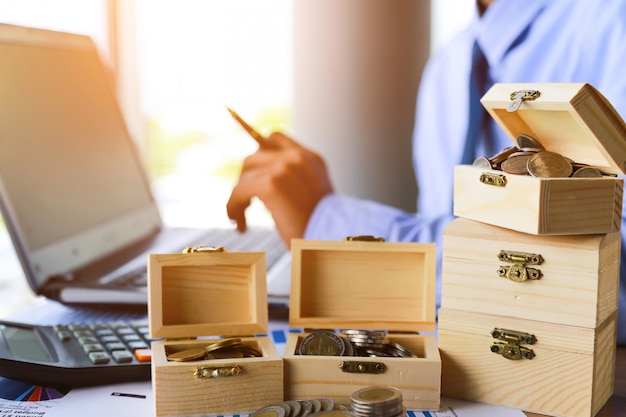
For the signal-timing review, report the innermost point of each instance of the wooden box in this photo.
(196, 299)
(339, 285)
(562, 290)
(571, 119)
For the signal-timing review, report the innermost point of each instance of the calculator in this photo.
(75, 355)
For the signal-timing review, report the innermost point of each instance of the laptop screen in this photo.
(71, 185)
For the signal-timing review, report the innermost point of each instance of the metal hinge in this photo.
(209, 249)
(517, 97)
(364, 238)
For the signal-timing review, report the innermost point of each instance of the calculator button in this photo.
(130, 338)
(143, 355)
(115, 346)
(88, 340)
(99, 358)
(137, 345)
(104, 332)
(122, 356)
(144, 330)
(109, 339)
(78, 327)
(93, 347)
(63, 335)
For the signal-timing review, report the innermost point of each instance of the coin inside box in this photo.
(371, 287)
(573, 120)
(197, 300)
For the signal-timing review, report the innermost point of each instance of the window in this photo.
(193, 59)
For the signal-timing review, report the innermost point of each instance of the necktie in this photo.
(478, 126)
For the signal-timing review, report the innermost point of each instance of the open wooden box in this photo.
(572, 119)
(562, 290)
(384, 286)
(194, 299)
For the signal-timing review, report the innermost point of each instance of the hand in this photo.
(288, 178)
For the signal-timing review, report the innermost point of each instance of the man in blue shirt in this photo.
(522, 41)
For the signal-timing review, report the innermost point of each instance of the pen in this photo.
(251, 131)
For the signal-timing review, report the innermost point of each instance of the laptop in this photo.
(74, 195)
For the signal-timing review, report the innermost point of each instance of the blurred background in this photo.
(340, 76)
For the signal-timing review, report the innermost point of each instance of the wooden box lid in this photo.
(572, 119)
(207, 294)
(362, 285)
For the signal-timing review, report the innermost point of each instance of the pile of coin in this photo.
(352, 343)
(301, 408)
(222, 349)
(530, 158)
(377, 402)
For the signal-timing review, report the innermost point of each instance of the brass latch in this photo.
(363, 367)
(489, 178)
(521, 95)
(510, 347)
(519, 272)
(216, 372)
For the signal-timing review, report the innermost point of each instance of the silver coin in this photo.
(327, 403)
(296, 408)
(525, 141)
(317, 405)
(270, 411)
(482, 162)
(396, 349)
(378, 401)
(307, 407)
(323, 343)
(332, 413)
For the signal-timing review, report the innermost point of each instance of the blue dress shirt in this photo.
(523, 41)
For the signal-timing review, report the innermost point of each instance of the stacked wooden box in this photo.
(530, 271)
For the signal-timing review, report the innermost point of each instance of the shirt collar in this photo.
(503, 23)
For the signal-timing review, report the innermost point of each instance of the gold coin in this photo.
(587, 172)
(224, 354)
(186, 355)
(247, 350)
(516, 164)
(226, 343)
(502, 156)
(376, 394)
(547, 164)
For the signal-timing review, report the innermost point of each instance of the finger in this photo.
(236, 208)
(281, 141)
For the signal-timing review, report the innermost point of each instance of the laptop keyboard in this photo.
(253, 240)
